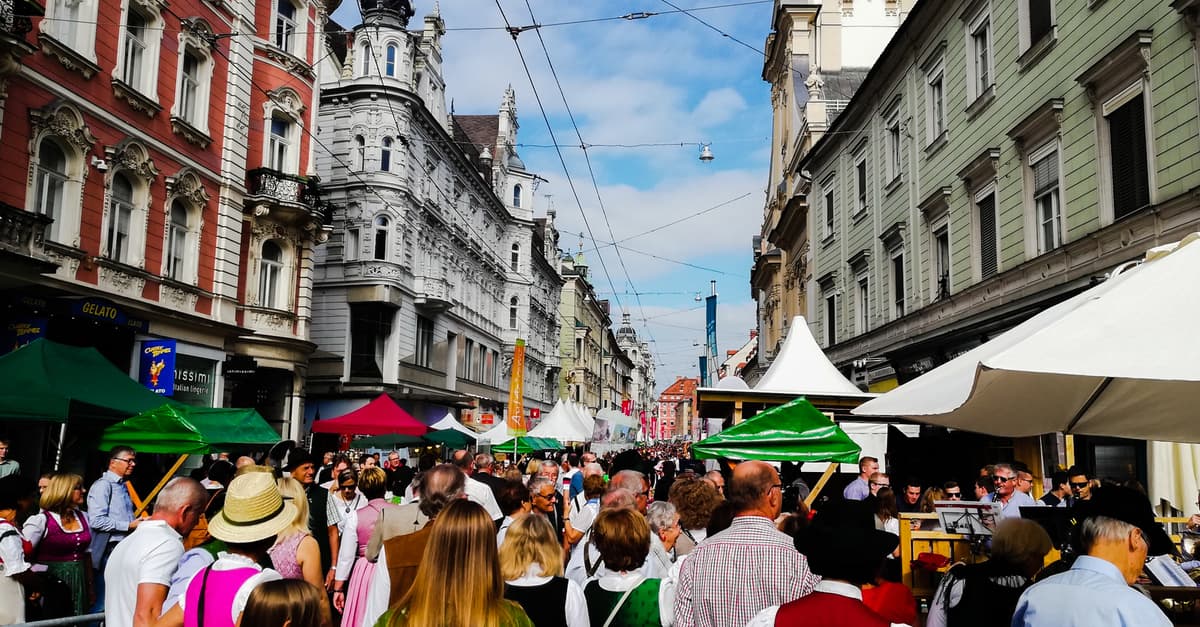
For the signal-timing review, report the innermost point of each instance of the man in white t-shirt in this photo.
(477, 491)
(140, 567)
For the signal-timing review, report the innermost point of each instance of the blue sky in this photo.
(663, 79)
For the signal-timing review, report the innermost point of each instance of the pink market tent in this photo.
(381, 416)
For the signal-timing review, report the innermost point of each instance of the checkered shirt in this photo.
(729, 577)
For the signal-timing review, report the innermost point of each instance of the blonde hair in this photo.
(59, 489)
(529, 540)
(458, 583)
(372, 482)
(291, 489)
(533, 467)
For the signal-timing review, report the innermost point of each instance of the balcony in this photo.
(15, 24)
(287, 198)
(21, 236)
(433, 294)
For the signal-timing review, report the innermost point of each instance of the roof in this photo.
(801, 367)
(480, 130)
(839, 85)
(685, 386)
(336, 39)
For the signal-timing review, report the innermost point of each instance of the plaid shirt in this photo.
(729, 577)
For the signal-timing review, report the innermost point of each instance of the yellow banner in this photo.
(516, 393)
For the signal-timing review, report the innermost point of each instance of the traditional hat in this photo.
(254, 510)
(296, 458)
(1129, 506)
(842, 542)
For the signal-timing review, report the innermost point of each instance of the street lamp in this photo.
(706, 153)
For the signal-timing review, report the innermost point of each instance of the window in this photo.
(979, 50)
(135, 47)
(73, 23)
(830, 320)
(830, 209)
(489, 368)
(1128, 161)
(280, 145)
(350, 246)
(189, 86)
(892, 146)
(860, 184)
(578, 348)
(120, 216)
(941, 261)
(50, 180)
(862, 306)
(512, 313)
(385, 155)
(515, 260)
(390, 60)
(479, 362)
(358, 157)
(935, 97)
(285, 25)
(517, 195)
(425, 341)
(1037, 21)
(469, 361)
(989, 252)
(178, 235)
(371, 325)
(270, 275)
(366, 59)
(1047, 206)
(382, 226)
(897, 272)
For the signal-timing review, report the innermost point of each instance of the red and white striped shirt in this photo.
(733, 575)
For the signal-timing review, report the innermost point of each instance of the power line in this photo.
(674, 222)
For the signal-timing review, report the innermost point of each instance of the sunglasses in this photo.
(349, 487)
(999, 479)
(954, 495)
(882, 485)
(1081, 484)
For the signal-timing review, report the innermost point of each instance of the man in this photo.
(140, 567)
(910, 500)
(549, 470)
(1061, 494)
(859, 489)
(577, 481)
(110, 507)
(325, 473)
(717, 480)
(7, 466)
(299, 465)
(570, 468)
(484, 464)
(1011, 499)
(734, 574)
(1081, 484)
(547, 502)
(1117, 531)
(398, 542)
(878, 480)
(952, 490)
(636, 484)
(476, 490)
(1024, 478)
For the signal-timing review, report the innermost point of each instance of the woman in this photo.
(887, 518)
(531, 565)
(695, 500)
(342, 505)
(286, 603)
(59, 535)
(352, 563)
(15, 572)
(664, 532)
(458, 583)
(623, 596)
(986, 594)
(295, 554)
(929, 497)
(515, 501)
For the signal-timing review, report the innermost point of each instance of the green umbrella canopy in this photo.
(450, 437)
(526, 444)
(180, 429)
(794, 432)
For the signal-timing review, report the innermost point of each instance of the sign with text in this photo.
(106, 311)
(516, 392)
(195, 381)
(22, 332)
(156, 366)
(487, 418)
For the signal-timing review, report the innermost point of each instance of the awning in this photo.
(379, 417)
(190, 430)
(794, 432)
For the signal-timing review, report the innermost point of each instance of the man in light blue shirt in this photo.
(110, 508)
(1117, 531)
(860, 488)
(1011, 499)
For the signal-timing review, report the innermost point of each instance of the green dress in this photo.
(639, 610)
(511, 615)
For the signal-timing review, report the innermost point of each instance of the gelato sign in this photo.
(156, 368)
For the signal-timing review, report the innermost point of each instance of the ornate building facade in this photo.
(582, 342)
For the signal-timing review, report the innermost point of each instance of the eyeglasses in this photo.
(882, 485)
(999, 479)
(1081, 484)
(127, 460)
(549, 497)
(954, 495)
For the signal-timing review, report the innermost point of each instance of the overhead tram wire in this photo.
(587, 160)
(674, 222)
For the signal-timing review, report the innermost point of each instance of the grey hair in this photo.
(631, 480)
(1008, 466)
(179, 493)
(484, 460)
(660, 515)
(535, 484)
(592, 468)
(549, 463)
(1102, 528)
(618, 498)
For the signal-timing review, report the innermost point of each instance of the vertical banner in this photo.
(704, 370)
(156, 369)
(516, 392)
(627, 407)
(710, 330)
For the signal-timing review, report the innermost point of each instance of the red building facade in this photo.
(151, 188)
(675, 406)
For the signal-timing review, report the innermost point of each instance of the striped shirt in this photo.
(733, 575)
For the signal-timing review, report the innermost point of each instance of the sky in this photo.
(665, 78)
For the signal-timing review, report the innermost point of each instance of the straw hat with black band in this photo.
(254, 510)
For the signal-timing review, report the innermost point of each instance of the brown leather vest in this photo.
(404, 555)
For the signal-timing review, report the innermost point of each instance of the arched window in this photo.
(358, 158)
(515, 261)
(120, 215)
(517, 195)
(50, 178)
(366, 59)
(382, 225)
(512, 313)
(270, 272)
(385, 155)
(390, 66)
(178, 242)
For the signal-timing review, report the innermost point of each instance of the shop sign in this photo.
(535, 413)
(22, 332)
(105, 311)
(240, 366)
(156, 369)
(487, 418)
(195, 380)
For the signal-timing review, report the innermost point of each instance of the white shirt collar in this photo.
(839, 588)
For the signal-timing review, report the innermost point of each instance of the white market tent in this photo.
(450, 422)
(801, 368)
(496, 435)
(561, 425)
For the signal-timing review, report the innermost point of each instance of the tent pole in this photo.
(62, 441)
(1088, 404)
(162, 482)
(829, 470)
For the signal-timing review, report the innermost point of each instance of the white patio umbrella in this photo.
(450, 422)
(1121, 359)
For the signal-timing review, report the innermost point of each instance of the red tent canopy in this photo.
(381, 416)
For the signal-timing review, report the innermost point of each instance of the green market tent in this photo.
(526, 444)
(189, 430)
(795, 432)
(48, 381)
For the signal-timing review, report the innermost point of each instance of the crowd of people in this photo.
(641, 538)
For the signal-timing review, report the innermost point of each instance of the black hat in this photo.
(297, 458)
(1129, 506)
(843, 543)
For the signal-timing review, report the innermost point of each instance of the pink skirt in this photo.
(356, 594)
